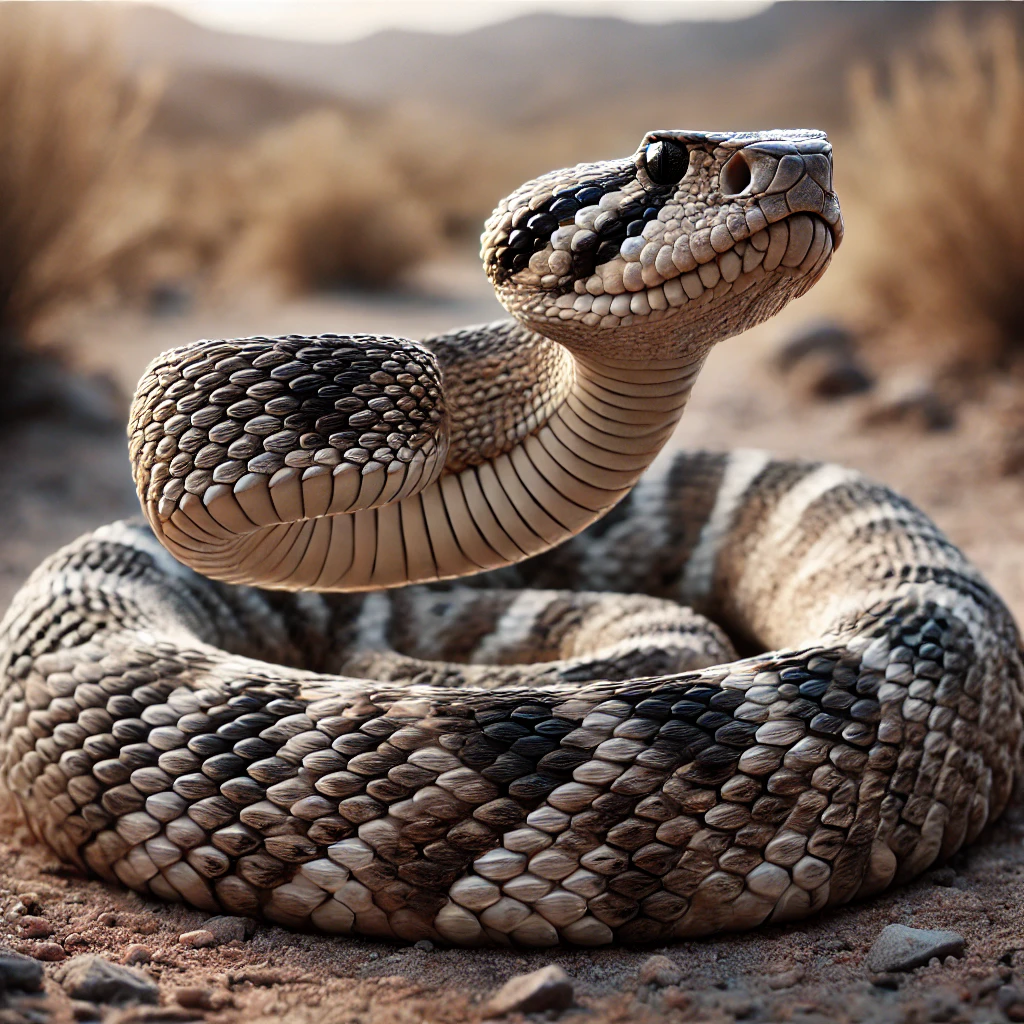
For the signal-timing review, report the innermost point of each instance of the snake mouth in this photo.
(630, 288)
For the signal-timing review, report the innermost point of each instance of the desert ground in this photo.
(63, 478)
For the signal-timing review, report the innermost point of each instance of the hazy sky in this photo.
(349, 19)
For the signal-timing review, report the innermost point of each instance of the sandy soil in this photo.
(813, 972)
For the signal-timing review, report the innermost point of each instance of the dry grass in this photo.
(930, 177)
(323, 207)
(95, 202)
(69, 133)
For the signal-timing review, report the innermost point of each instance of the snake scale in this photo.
(726, 691)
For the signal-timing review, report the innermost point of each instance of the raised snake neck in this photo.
(565, 749)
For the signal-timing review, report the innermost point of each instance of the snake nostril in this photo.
(735, 175)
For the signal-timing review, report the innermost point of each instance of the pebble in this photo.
(107, 920)
(81, 1010)
(30, 927)
(75, 939)
(1007, 995)
(137, 953)
(98, 981)
(201, 938)
(18, 972)
(49, 951)
(230, 929)
(910, 402)
(550, 988)
(786, 979)
(899, 948)
(886, 981)
(659, 971)
(30, 899)
(195, 998)
(424, 945)
(822, 362)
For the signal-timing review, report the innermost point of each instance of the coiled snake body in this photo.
(566, 748)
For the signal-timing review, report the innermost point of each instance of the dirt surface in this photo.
(57, 481)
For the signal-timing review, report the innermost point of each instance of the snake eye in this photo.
(666, 162)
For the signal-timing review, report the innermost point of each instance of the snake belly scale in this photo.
(411, 643)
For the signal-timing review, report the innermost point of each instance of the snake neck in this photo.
(565, 453)
(504, 382)
(543, 443)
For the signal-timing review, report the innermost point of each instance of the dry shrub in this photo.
(321, 206)
(930, 178)
(69, 132)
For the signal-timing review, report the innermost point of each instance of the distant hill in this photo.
(784, 65)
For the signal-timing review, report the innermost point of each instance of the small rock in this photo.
(659, 971)
(30, 899)
(260, 976)
(822, 362)
(550, 988)
(98, 981)
(194, 998)
(49, 951)
(137, 953)
(201, 938)
(886, 981)
(786, 979)
(230, 929)
(81, 1010)
(676, 998)
(899, 948)
(910, 402)
(75, 939)
(424, 945)
(19, 973)
(30, 927)
(107, 920)
(1007, 995)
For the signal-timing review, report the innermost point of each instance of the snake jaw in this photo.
(601, 255)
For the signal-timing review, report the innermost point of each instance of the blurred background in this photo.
(211, 169)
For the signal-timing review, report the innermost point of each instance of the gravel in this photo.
(225, 928)
(899, 948)
(19, 973)
(659, 971)
(550, 988)
(95, 980)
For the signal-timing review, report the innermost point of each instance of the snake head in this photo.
(695, 237)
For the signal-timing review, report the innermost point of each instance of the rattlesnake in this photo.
(566, 747)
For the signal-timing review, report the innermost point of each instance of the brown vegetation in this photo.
(69, 132)
(324, 207)
(305, 206)
(930, 176)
